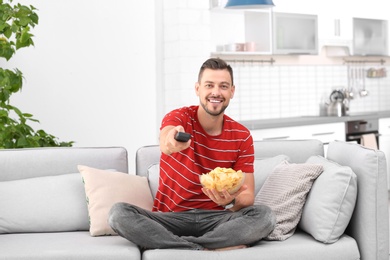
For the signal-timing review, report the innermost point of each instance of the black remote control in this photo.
(182, 137)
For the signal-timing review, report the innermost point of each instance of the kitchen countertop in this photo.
(311, 120)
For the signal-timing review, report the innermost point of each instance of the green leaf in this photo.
(7, 31)
(6, 50)
(34, 17)
(27, 115)
(24, 21)
(21, 142)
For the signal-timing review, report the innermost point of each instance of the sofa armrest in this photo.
(370, 221)
(145, 157)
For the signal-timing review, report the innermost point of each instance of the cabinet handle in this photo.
(276, 137)
(337, 27)
(298, 53)
(327, 133)
(358, 137)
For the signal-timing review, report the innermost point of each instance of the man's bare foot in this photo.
(228, 248)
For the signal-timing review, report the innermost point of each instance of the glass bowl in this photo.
(218, 184)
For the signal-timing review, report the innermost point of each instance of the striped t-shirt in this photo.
(179, 185)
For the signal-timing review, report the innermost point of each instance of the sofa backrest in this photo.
(297, 150)
(16, 164)
(45, 185)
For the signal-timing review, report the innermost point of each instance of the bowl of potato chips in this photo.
(223, 179)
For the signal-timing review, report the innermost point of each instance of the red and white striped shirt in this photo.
(179, 185)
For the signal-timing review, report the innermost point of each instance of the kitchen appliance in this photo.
(356, 129)
(337, 107)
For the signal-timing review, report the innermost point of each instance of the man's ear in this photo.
(197, 88)
(233, 91)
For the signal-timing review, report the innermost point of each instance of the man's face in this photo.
(215, 90)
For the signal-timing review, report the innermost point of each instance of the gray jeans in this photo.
(194, 229)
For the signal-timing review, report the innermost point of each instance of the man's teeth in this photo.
(215, 101)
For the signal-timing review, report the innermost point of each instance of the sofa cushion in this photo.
(285, 191)
(301, 246)
(264, 167)
(43, 204)
(331, 201)
(78, 245)
(105, 188)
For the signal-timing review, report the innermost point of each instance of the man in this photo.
(185, 215)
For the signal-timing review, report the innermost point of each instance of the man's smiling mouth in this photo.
(215, 100)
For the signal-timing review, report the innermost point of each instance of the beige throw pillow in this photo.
(285, 191)
(105, 188)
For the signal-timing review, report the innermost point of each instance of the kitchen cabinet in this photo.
(294, 33)
(384, 143)
(358, 36)
(323, 132)
(269, 32)
(335, 30)
(231, 28)
(370, 37)
(326, 133)
(259, 31)
(292, 28)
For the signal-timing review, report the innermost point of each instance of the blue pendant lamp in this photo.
(249, 4)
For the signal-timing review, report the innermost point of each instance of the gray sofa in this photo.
(52, 223)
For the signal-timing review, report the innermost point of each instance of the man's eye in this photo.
(209, 86)
(224, 87)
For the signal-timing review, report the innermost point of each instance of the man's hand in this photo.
(223, 198)
(168, 143)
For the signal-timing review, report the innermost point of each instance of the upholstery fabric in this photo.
(371, 216)
(26, 163)
(307, 148)
(331, 201)
(285, 192)
(300, 246)
(78, 245)
(153, 177)
(105, 188)
(43, 204)
(264, 167)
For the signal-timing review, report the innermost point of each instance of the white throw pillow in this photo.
(331, 201)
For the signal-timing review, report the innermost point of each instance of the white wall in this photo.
(91, 76)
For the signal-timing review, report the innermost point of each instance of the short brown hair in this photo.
(215, 64)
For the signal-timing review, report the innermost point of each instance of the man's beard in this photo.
(213, 113)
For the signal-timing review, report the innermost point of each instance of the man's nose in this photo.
(216, 90)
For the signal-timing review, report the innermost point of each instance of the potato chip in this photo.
(223, 179)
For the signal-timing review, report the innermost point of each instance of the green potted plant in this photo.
(16, 21)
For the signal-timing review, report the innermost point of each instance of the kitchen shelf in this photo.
(243, 59)
(359, 61)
